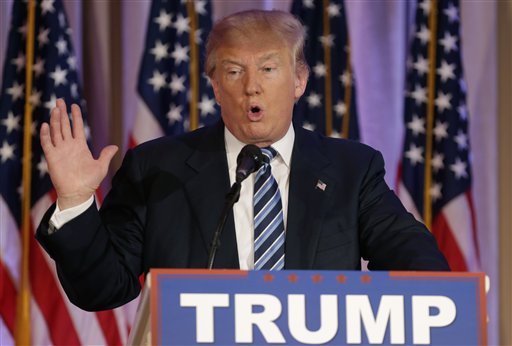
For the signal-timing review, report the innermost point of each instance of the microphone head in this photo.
(249, 160)
(251, 151)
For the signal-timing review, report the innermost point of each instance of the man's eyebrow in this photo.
(264, 58)
(230, 61)
(269, 56)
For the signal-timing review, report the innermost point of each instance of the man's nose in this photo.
(252, 83)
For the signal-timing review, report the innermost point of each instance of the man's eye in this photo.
(269, 69)
(233, 73)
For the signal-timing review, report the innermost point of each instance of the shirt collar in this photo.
(284, 147)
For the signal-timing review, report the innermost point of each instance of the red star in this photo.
(317, 278)
(268, 278)
(341, 278)
(293, 278)
(366, 279)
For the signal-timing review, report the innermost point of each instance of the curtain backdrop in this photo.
(108, 38)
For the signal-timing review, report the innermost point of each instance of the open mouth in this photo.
(255, 112)
(255, 109)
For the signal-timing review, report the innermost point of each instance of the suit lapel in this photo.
(310, 189)
(206, 192)
(309, 192)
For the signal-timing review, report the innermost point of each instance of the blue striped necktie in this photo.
(268, 218)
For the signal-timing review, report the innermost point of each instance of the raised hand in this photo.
(74, 172)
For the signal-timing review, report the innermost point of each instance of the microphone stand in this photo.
(249, 160)
(231, 198)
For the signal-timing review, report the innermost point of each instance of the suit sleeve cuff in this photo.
(61, 217)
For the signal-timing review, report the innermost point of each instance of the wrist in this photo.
(66, 202)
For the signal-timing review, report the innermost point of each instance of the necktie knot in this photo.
(269, 154)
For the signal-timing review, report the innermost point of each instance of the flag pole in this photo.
(22, 333)
(194, 67)
(327, 60)
(431, 84)
(348, 95)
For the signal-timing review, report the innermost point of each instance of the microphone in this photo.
(249, 160)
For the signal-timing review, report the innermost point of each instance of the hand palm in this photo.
(74, 171)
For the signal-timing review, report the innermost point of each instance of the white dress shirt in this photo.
(242, 210)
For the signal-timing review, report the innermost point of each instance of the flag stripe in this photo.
(448, 244)
(146, 127)
(407, 200)
(10, 246)
(7, 299)
(5, 334)
(46, 294)
(40, 328)
(458, 215)
(471, 206)
(107, 320)
(88, 325)
(9, 268)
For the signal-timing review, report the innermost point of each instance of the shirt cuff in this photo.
(60, 217)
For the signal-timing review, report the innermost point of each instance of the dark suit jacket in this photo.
(167, 198)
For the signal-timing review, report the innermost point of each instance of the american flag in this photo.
(53, 319)
(435, 173)
(330, 94)
(175, 95)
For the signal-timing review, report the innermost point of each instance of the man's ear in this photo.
(301, 81)
(216, 89)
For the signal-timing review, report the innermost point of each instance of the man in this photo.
(332, 206)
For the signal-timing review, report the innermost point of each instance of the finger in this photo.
(44, 137)
(65, 125)
(78, 122)
(106, 156)
(55, 132)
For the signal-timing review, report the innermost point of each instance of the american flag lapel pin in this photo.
(321, 185)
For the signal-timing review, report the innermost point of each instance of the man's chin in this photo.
(261, 139)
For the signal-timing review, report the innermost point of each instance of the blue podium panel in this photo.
(231, 307)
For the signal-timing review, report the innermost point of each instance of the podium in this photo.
(302, 307)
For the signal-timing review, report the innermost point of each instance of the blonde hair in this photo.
(247, 24)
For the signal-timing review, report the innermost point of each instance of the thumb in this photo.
(107, 154)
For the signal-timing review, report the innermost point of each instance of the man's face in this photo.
(256, 86)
